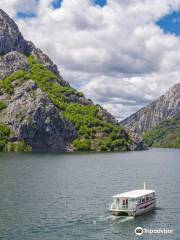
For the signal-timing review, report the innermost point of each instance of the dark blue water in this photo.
(66, 196)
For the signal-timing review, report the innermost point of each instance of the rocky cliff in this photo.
(164, 108)
(40, 111)
(10, 37)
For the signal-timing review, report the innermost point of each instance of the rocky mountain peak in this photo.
(11, 40)
(164, 108)
(175, 91)
(10, 37)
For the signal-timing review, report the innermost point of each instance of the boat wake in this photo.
(119, 219)
(125, 219)
(113, 220)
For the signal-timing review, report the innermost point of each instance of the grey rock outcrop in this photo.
(35, 120)
(11, 40)
(164, 108)
(10, 37)
(106, 116)
(12, 62)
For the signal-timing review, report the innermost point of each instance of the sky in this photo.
(121, 54)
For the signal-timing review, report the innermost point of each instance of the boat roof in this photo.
(134, 193)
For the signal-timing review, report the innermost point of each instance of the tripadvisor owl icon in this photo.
(139, 231)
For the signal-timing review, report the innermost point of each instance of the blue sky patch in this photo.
(56, 3)
(24, 15)
(101, 3)
(170, 23)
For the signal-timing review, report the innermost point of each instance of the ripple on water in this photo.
(66, 196)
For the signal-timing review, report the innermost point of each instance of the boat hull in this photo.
(146, 207)
(140, 209)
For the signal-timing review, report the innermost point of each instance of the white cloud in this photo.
(13, 6)
(116, 54)
(126, 95)
(121, 111)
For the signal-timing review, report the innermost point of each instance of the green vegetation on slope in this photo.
(4, 135)
(93, 132)
(17, 147)
(6, 146)
(166, 134)
(6, 84)
(2, 105)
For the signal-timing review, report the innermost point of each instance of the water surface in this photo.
(66, 196)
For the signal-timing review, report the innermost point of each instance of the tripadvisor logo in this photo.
(139, 231)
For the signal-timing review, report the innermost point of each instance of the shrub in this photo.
(104, 148)
(18, 147)
(2, 105)
(4, 135)
(6, 83)
(4, 131)
(80, 94)
(2, 144)
(82, 144)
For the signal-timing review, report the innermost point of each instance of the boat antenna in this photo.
(144, 185)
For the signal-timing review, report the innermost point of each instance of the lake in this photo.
(66, 196)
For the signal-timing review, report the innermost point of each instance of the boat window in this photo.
(117, 200)
(124, 203)
(147, 198)
(143, 200)
(139, 201)
(153, 195)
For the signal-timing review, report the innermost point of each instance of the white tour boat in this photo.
(133, 203)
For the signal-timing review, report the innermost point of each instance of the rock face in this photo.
(106, 116)
(12, 62)
(35, 119)
(10, 37)
(164, 108)
(45, 112)
(11, 40)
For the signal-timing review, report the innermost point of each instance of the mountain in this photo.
(159, 122)
(164, 108)
(40, 111)
(166, 134)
